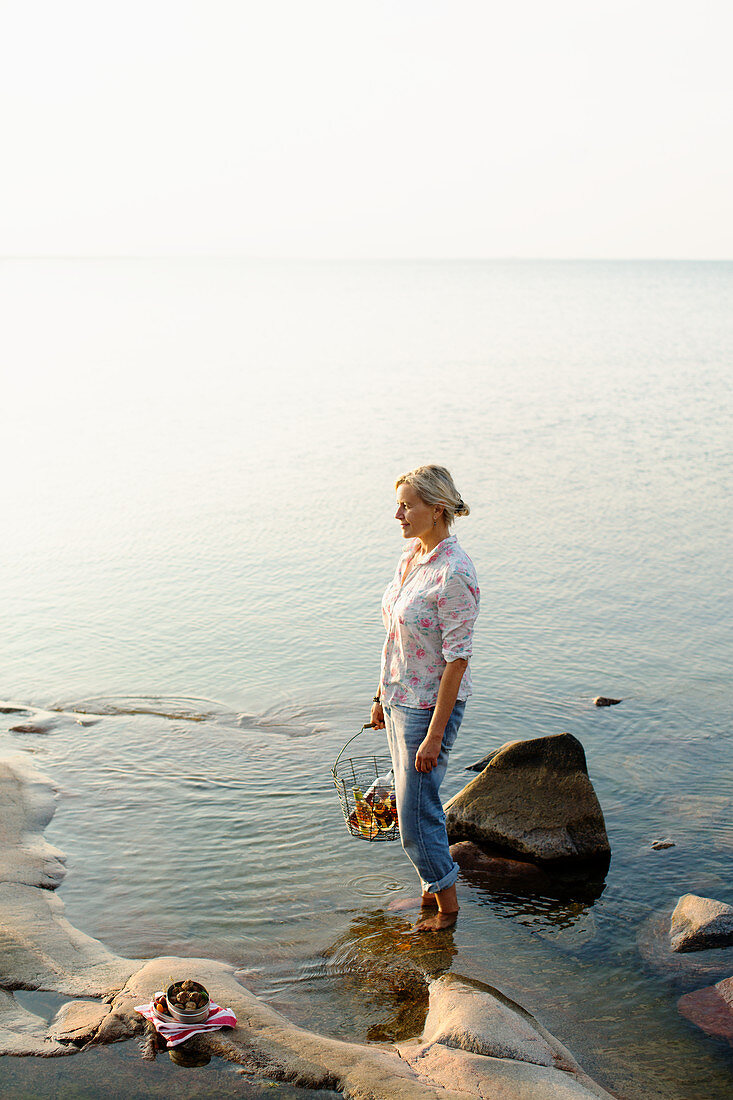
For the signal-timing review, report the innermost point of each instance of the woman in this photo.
(428, 610)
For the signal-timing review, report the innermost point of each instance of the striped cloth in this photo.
(175, 1032)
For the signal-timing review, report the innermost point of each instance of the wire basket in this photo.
(365, 786)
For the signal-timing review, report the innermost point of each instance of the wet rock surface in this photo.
(78, 1022)
(28, 804)
(711, 1009)
(534, 800)
(22, 1032)
(699, 923)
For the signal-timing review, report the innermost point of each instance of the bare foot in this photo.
(425, 902)
(437, 922)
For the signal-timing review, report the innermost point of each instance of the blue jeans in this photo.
(420, 811)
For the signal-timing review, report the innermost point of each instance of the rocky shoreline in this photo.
(475, 1043)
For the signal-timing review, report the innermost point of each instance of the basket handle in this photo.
(366, 726)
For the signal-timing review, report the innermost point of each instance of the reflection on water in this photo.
(382, 947)
(255, 825)
(119, 1071)
(188, 600)
(189, 1056)
(371, 983)
(540, 912)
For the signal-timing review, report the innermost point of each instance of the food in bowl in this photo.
(187, 1001)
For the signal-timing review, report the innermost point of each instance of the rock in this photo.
(487, 1044)
(687, 969)
(498, 1078)
(268, 1044)
(448, 1063)
(462, 1016)
(660, 845)
(22, 1032)
(698, 923)
(604, 701)
(39, 949)
(534, 799)
(28, 803)
(501, 870)
(481, 764)
(78, 1021)
(711, 1009)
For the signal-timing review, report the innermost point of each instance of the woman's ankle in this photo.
(447, 900)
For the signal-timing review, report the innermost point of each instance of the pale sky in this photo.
(393, 128)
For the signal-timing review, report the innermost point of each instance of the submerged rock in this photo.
(698, 923)
(533, 799)
(660, 845)
(711, 1009)
(604, 701)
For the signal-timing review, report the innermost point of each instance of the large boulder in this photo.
(698, 923)
(533, 799)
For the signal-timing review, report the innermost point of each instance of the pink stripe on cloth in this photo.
(174, 1032)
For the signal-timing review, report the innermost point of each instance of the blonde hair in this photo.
(434, 485)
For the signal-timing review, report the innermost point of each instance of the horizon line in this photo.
(251, 258)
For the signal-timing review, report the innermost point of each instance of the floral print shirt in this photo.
(429, 619)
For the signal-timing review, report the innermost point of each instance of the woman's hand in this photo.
(450, 681)
(377, 716)
(427, 755)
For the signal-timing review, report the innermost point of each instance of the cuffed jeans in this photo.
(420, 811)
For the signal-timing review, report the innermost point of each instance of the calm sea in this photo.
(198, 460)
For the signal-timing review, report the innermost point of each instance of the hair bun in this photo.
(434, 485)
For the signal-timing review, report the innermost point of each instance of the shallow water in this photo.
(90, 1076)
(200, 532)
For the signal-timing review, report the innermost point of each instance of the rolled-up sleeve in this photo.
(457, 612)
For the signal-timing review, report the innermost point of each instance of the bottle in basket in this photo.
(364, 818)
(381, 796)
(382, 814)
(392, 803)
